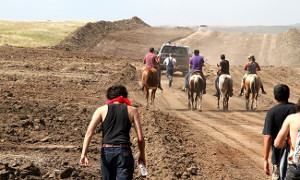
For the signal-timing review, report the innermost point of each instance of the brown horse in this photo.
(252, 85)
(225, 89)
(195, 85)
(150, 81)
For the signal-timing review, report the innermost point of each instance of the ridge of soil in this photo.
(88, 36)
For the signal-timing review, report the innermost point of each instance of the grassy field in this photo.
(36, 33)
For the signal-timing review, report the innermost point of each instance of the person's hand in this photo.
(84, 161)
(142, 160)
(266, 167)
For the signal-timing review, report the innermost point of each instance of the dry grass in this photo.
(36, 33)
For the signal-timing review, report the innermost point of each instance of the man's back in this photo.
(273, 122)
(116, 125)
(150, 60)
(224, 64)
(197, 63)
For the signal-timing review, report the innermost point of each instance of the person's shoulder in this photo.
(131, 109)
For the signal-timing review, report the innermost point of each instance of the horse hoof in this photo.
(200, 110)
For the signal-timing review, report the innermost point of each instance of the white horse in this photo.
(195, 86)
(225, 89)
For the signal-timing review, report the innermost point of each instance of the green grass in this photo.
(36, 33)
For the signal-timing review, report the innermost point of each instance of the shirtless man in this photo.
(290, 129)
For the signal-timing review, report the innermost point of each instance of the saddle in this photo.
(197, 72)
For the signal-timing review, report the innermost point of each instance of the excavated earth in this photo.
(48, 96)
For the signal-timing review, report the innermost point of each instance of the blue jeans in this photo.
(170, 73)
(216, 82)
(186, 78)
(117, 162)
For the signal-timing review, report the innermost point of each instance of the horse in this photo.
(224, 90)
(252, 86)
(150, 80)
(195, 85)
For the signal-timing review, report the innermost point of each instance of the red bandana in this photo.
(119, 99)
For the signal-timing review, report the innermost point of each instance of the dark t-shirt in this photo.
(273, 122)
(224, 64)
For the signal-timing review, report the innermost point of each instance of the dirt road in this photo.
(231, 140)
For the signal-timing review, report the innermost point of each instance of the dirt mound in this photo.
(288, 48)
(89, 35)
(136, 42)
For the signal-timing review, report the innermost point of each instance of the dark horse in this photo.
(150, 81)
(224, 89)
(195, 86)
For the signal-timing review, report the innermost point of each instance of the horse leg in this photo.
(195, 102)
(256, 95)
(189, 99)
(247, 102)
(192, 98)
(147, 97)
(153, 95)
(200, 102)
(218, 101)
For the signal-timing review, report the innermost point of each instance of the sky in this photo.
(157, 12)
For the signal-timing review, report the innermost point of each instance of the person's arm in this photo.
(156, 60)
(246, 65)
(175, 63)
(190, 66)
(140, 137)
(267, 148)
(96, 119)
(283, 133)
(258, 67)
(144, 60)
(165, 61)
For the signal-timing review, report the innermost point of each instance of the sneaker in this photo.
(183, 89)
(241, 94)
(264, 92)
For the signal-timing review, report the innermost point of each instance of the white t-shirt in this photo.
(167, 60)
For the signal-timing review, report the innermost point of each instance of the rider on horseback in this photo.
(151, 61)
(223, 68)
(195, 64)
(251, 67)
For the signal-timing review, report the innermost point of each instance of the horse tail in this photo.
(197, 84)
(253, 84)
(149, 77)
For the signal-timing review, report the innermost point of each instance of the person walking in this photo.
(115, 118)
(151, 61)
(273, 122)
(195, 64)
(290, 130)
(251, 67)
(171, 64)
(223, 68)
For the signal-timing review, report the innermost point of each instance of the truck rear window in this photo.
(175, 50)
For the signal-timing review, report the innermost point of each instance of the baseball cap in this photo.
(250, 56)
